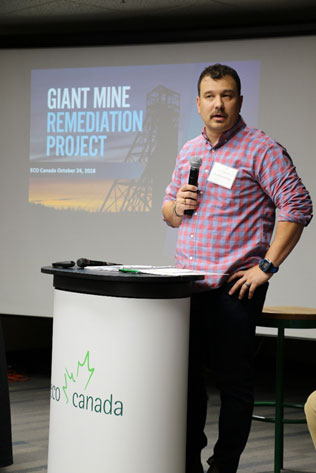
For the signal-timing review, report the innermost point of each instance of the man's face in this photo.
(219, 105)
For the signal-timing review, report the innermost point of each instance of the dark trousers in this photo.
(222, 329)
(5, 417)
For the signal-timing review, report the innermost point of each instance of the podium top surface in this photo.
(119, 284)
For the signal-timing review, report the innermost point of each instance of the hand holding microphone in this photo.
(186, 201)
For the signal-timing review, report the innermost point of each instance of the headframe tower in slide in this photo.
(155, 149)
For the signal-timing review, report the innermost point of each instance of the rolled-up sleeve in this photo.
(282, 183)
(179, 175)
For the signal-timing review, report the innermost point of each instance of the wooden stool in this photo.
(282, 318)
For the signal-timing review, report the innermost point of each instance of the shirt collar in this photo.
(227, 135)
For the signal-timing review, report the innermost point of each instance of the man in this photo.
(245, 175)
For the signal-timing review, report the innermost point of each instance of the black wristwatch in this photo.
(267, 267)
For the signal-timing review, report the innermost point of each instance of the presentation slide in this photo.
(98, 134)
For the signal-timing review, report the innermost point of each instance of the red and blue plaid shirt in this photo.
(232, 228)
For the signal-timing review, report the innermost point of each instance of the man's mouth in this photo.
(219, 116)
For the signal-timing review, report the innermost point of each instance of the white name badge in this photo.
(222, 175)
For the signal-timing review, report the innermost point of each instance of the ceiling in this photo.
(27, 22)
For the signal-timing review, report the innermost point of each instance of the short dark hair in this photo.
(218, 71)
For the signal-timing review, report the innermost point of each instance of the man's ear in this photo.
(198, 103)
(241, 98)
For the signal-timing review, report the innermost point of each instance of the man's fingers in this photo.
(244, 288)
(234, 276)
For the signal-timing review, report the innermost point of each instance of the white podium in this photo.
(119, 372)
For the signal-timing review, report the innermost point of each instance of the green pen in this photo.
(128, 270)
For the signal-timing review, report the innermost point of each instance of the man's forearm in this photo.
(169, 212)
(186, 199)
(287, 234)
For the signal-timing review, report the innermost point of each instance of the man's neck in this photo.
(212, 137)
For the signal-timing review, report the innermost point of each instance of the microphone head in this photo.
(82, 262)
(195, 162)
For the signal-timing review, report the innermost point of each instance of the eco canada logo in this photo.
(74, 391)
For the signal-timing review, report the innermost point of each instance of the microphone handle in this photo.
(193, 180)
(82, 262)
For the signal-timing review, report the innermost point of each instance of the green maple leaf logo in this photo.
(83, 370)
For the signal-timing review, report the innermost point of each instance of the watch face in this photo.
(265, 265)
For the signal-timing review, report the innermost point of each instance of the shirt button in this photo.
(191, 258)
(191, 236)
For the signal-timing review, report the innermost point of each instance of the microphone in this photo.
(82, 262)
(195, 163)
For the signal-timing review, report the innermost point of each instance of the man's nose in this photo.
(218, 101)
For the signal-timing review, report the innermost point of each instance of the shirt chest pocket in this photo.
(242, 188)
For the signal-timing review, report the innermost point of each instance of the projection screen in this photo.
(89, 138)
